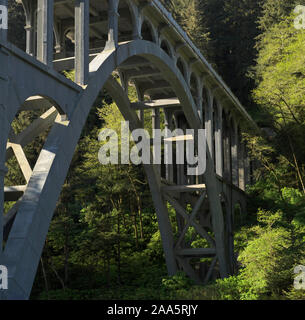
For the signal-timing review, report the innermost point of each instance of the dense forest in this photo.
(104, 243)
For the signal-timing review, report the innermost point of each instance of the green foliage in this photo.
(70, 294)
(232, 31)
(275, 11)
(189, 15)
(294, 294)
(16, 23)
(267, 266)
(176, 282)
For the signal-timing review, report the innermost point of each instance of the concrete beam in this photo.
(68, 63)
(184, 188)
(13, 193)
(36, 103)
(162, 103)
(146, 86)
(142, 73)
(22, 160)
(197, 252)
(33, 130)
(187, 137)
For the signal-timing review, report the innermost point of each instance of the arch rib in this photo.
(26, 239)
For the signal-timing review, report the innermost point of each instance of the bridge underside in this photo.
(139, 42)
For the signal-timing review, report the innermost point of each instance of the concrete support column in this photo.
(113, 25)
(141, 116)
(234, 143)
(200, 101)
(227, 175)
(140, 95)
(45, 31)
(3, 20)
(58, 41)
(30, 8)
(156, 125)
(169, 171)
(241, 164)
(81, 41)
(218, 143)
(163, 221)
(209, 125)
(30, 44)
(136, 33)
(247, 168)
(181, 177)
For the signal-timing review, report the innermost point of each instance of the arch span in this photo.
(39, 201)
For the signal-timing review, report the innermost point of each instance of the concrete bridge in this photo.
(139, 41)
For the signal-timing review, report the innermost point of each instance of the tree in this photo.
(280, 93)
(275, 11)
(189, 15)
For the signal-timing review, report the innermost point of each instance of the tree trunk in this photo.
(119, 250)
(45, 277)
(66, 249)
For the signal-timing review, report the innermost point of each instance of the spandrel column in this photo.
(45, 31)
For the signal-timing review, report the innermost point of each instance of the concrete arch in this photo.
(148, 31)
(182, 67)
(64, 104)
(46, 101)
(166, 46)
(195, 87)
(155, 55)
(34, 214)
(20, 88)
(132, 20)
